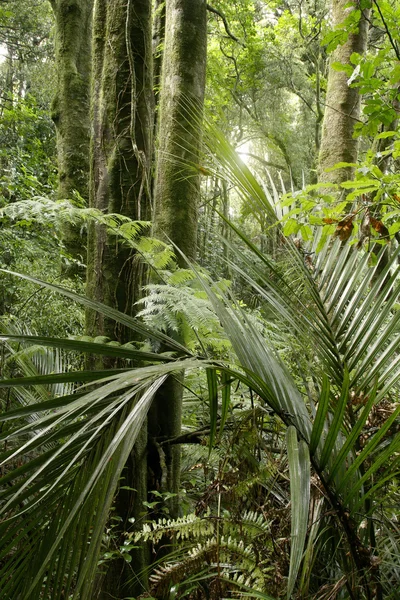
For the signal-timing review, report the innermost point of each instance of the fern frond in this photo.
(189, 526)
(231, 558)
(164, 577)
(45, 211)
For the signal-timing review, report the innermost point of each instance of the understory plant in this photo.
(332, 390)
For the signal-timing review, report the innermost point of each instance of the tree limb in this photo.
(392, 41)
(226, 25)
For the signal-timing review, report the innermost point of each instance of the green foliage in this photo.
(364, 210)
(375, 74)
(267, 81)
(339, 35)
(27, 155)
(28, 249)
(315, 360)
(180, 305)
(231, 544)
(348, 335)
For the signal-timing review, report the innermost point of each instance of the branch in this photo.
(392, 41)
(226, 25)
(191, 437)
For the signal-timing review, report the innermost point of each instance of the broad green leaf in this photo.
(78, 376)
(351, 440)
(119, 351)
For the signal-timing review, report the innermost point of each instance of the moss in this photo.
(177, 188)
(70, 110)
(120, 163)
(121, 149)
(71, 104)
(182, 96)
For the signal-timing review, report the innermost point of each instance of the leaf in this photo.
(338, 66)
(79, 376)
(362, 183)
(336, 424)
(386, 134)
(226, 399)
(379, 227)
(89, 347)
(291, 226)
(344, 228)
(353, 436)
(322, 411)
(299, 474)
(213, 401)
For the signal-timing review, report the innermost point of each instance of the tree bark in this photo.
(182, 97)
(158, 44)
(121, 151)
(342, 103)
(71, 103)
(177, 191)
(70, 110)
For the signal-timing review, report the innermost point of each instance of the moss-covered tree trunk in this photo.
(177, 186)
(70, 109)
(342, 101)
(182, 97)
(121, 151)
(158, 45)
(122, 115)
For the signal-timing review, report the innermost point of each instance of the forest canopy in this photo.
(199, 298)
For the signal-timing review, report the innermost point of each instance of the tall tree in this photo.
(121, 150)
(177, 187)
(182, 97)
(121, 155)
(71, 103)
(70, 111)
(343, 102)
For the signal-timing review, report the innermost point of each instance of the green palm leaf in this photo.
(299, 473)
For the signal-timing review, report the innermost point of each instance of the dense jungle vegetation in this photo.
(200, 312)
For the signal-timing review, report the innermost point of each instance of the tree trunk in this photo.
(158, 44)
(122, 113)
(177, 194)
(70, 111)
(121, 152)
(342, 103)
(182, 97)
